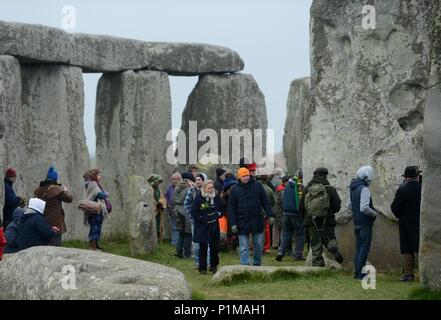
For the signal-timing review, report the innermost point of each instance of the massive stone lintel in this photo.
(368, 89)
(99, 53)
(297, 112)
(224, 102)
(53, 109)
(132, 119)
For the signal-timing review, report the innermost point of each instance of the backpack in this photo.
(317, 201)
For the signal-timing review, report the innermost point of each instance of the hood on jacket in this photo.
(229, 182)
(17, 214)
(355, 183)
(365, 173)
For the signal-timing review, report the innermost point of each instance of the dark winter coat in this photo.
(205, 217)
(245, 207)
(11, 203)
(183, 223)
(54, 195)
(11, 232)
(406, 207)
(290, 205)
(33, 230)
(335, 205)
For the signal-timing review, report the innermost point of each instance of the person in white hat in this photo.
(33, 229)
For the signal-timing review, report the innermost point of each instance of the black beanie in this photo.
(219, 172)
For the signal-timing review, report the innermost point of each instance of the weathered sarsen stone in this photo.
(230, 102)
(12, 147)
(54, 273)
(297, 113)
(132, 119)
(53, 108)
(32, 43)
(430, 238)
(142, 222)
(368, 89)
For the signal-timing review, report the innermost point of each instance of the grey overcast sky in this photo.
(272, 37)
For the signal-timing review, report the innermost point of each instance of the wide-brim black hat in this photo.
(411, 172)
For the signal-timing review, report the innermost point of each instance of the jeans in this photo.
(96, 223)
(175, 232)
(244, 248)
(292, 223)
(363, 239)
(183, 247)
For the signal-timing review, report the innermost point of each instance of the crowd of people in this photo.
(41, 220)
(252, 210)
(254, 206)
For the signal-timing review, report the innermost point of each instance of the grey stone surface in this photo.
(100, 53)
(430, 237)
(226, 273)
(12, 146)
(225, 102)
(368, 90)
(298, 111)
(42, 273)
(132, 119)
(142, 222)
(53, 109)
(34, 42)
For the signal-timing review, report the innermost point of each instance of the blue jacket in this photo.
(11, 202)
(11, 232)
(360, 218)
(33, 230)
(290, 196)
(205, 217)
(245, 205)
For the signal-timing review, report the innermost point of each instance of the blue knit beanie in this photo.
(52, 174)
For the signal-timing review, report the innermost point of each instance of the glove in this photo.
(22, 202)
(271, 221)
(234, 229)
(2, 238)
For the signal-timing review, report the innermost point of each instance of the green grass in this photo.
(281, 285)
(424, 294)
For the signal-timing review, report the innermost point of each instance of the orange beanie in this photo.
(242, 173)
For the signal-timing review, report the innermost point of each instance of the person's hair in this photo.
(206, 183)
(192, 167)
(91, 174)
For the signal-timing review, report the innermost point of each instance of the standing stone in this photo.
(430, 238)
(132, 119)
(142, 222)
(368, 89)
(53, 109)
(223, 102)
(12, 151)
(298, 108)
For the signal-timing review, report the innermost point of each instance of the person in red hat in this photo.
(12, 201)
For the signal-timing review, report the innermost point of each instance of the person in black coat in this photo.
(205, 211)
(33, 229)
(11, 232)
(247, 206)
(11, 200)
(406, 207)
